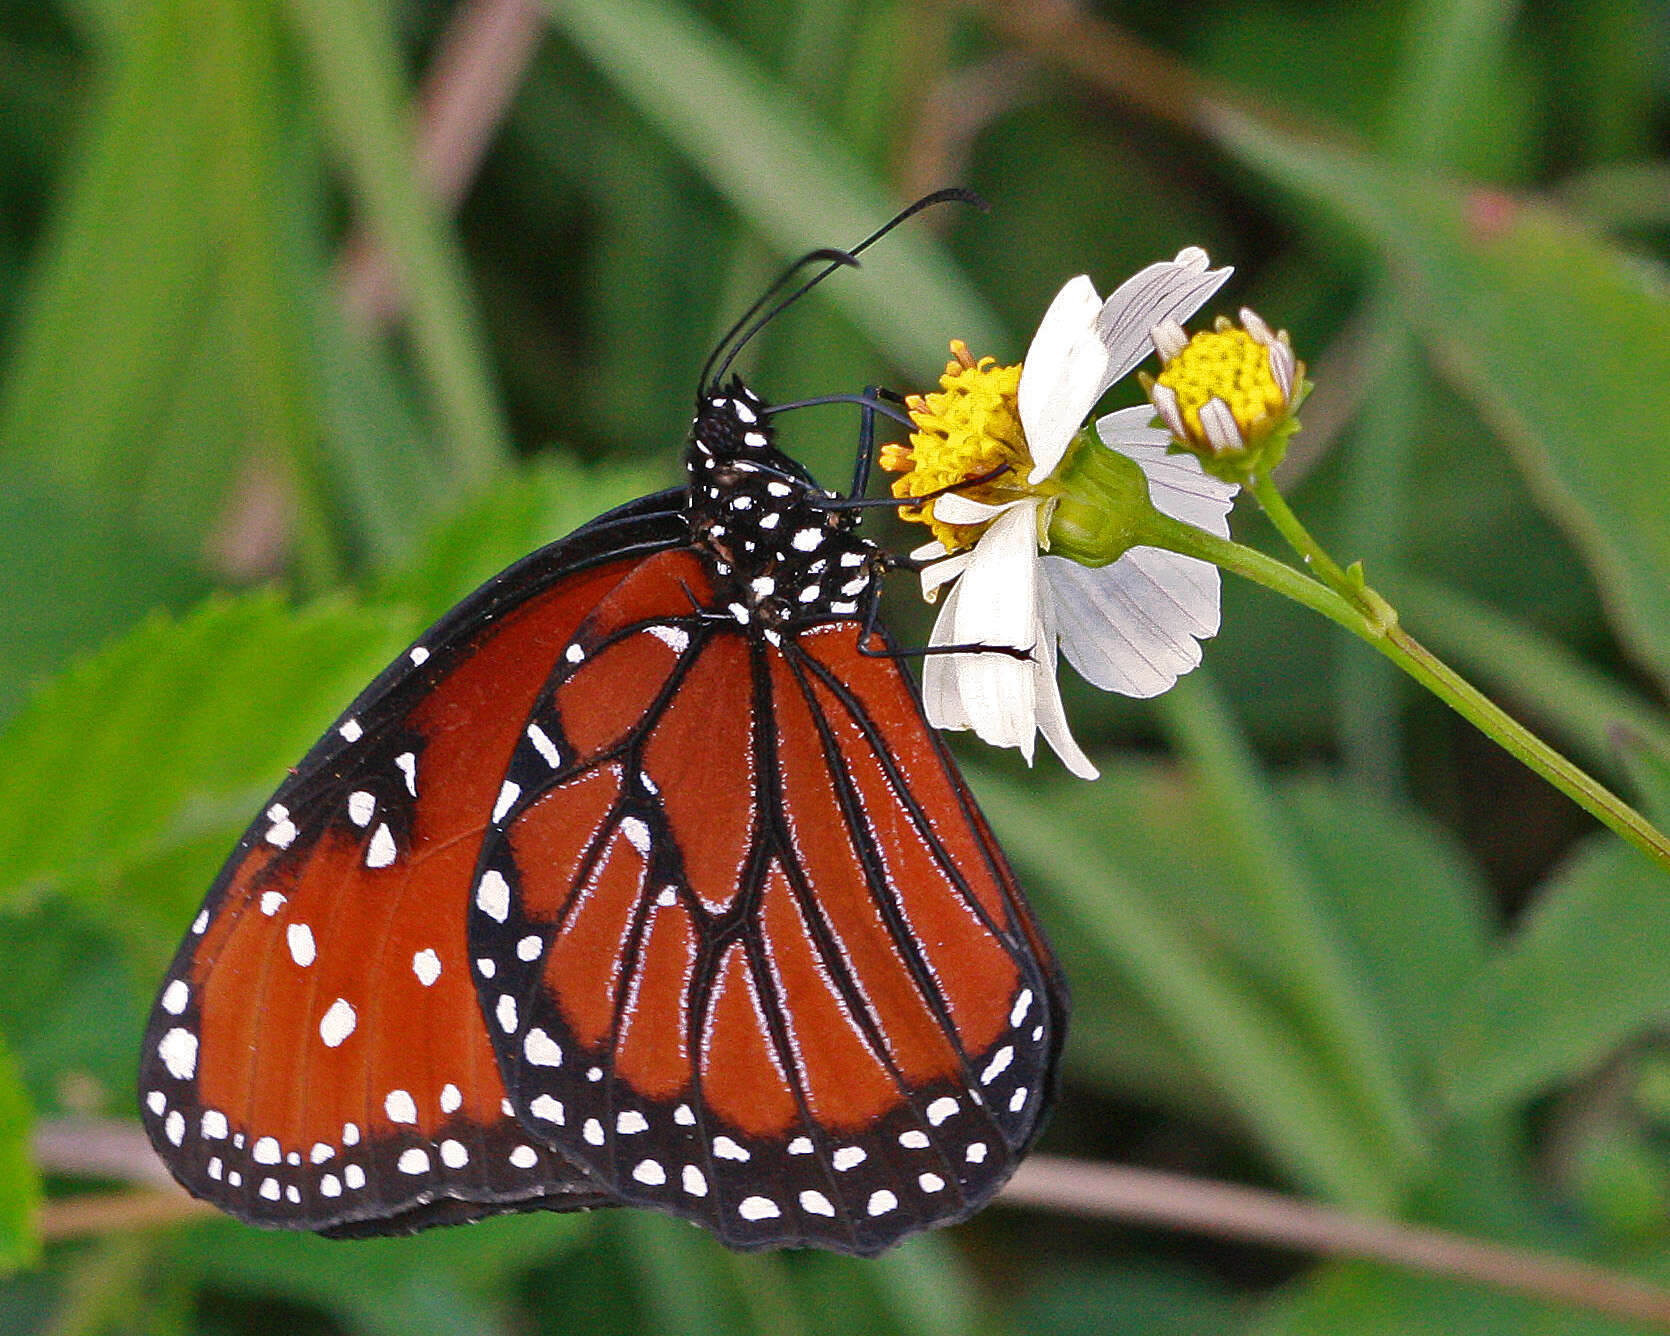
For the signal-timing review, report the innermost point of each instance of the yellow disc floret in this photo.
(969, 428)
(1228, 364)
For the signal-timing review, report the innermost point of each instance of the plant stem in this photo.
(1367, 615)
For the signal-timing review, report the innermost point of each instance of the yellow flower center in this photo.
(969, 428)
(1225, 363)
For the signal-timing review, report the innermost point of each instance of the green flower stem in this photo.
(1368, 616)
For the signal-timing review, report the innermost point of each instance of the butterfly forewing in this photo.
(316, 1056)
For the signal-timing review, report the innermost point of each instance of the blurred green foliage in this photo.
(225, 500)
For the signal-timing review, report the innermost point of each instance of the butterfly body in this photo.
(636, 880)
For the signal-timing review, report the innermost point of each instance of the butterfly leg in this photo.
(867, 436)
(872, 620)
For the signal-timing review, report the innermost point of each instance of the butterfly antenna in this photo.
(836, 259)
(845, 258)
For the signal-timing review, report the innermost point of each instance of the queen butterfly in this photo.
(639, 879)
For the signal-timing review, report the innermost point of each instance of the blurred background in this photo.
(314, 313)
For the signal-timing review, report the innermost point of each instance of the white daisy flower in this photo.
(1131, 626)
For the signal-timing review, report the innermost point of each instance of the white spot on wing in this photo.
(400, 1107)
(800, 1146)
(675, 638)
(914, 1140)
(337, 1024)
(848, 1157)
(593, 1132)
(451, 1098)
(419, 655)
(631, 1121)
(178, 1051)
(881, 1202)
(726, 1149)
(524, 1157)
(508, 795)
(941, 1109)
(351, 730)
(382, 851)
(998, 1065)
(492, 898)
(266, 1151)
(544, 746)
(976, 1153)
(282, 833)
(528, 947)
(637, 834)
(815, 1203)
(931, 1182)
(175, 1126)
(542, 1050)
(427, 966)
(758, 1208)
(156, 1102)
(650, 1173)
(547, 1109)
(694, 1183)
(1023, 1002)
(300, 939)
(413, 1160)
(453, 1154)
(361, 805)
(271, 903)
(407, 763)
(175, 997)
(506, 1012)
(807, 540)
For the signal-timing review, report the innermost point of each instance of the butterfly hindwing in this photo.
(316, 1056)
(749, 960)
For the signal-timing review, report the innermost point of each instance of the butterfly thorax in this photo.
(779, 556)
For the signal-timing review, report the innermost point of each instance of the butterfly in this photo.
(638, 879)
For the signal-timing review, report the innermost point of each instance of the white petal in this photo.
(1131, 426)
(1065, 373)
(954, 509)
(995, 603)
(1132, 627)
(942, 573)
(1173, 289)
(1051, 714)
(1179, 487)
(999, 604)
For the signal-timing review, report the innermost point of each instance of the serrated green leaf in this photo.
(172, 732)
(20, 1185)
(1586, 971)
(1514, 297)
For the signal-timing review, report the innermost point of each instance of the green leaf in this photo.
(170, 734)
(1585, 972)
(356, 67)
(20, 1186)
(548, 500)
(1562, 339)
(443, 1282)
(1240, 1041)
(1367, 1300)
(757, 144)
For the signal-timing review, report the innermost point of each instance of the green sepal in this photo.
(1101, 508)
